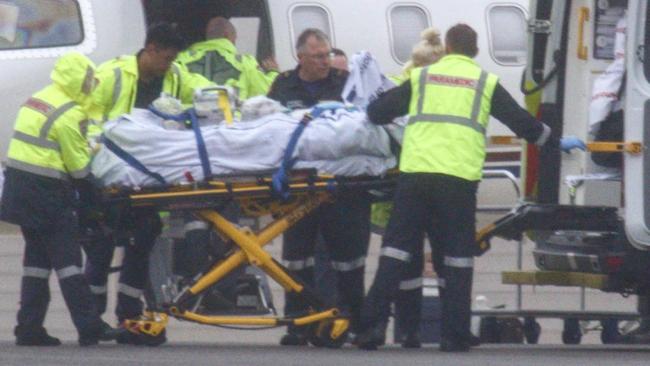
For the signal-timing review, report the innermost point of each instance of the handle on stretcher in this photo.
(615, 146)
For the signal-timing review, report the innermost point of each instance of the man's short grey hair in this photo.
(308, 33)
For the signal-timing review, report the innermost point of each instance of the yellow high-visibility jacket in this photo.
(50, 130)
(448, 117)
(118, 83)
(218, 60)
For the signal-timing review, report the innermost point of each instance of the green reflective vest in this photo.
(448, 117)
(118, 81)
(218, 60)
(49, 137)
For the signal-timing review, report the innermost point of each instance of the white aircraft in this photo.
(33, 34)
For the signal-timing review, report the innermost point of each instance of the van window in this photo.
(39, 23)
(406, 24)
(310, 16)
(607, 14)
(507, 34)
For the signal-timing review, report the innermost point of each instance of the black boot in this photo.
(449, 345)
(412, 340)
(104, 333)
(372, 337)
(38, 336)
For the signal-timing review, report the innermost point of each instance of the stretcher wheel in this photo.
(610, 333)
(154, 341)
(321, 335)
(571, 333)
(532, 330)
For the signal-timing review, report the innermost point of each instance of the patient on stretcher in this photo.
(339, 141)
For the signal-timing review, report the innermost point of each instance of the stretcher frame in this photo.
(256, 197)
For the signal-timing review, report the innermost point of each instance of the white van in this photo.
(33, 33)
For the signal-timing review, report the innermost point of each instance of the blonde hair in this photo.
(428, 51)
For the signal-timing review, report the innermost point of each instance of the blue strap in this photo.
(280, 181)
(174, 117)
(190, 115)
(130, 159)
(200, 144)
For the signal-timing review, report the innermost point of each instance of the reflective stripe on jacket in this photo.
(49, 137)
(448, 117)
(218, 60)
(118, 82)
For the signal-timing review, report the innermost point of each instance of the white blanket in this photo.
(340, 143)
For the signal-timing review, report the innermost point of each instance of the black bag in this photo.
(501, 330)
(611, 129)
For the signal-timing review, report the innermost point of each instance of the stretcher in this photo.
(302, 192)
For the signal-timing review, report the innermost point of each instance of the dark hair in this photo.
(165, 35)
(310, 32)
(338, 52)
(462, 39)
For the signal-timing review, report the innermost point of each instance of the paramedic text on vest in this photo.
(47, 166)
(127, 82)
(217, 59)
(449, 104)
(345, 223)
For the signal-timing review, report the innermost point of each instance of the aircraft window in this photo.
(247, 34)
(507, 34)
(39, 23)
(406, 24)
(310, 16)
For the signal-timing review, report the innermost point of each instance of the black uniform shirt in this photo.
(295, 93)
(148, 92)
(395, 103)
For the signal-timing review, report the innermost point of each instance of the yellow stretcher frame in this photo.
(256, 198)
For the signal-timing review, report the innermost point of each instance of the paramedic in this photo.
(313, 80)
(344, 224)
(127, 82)
(324, 274)
(449, 104)
(47, 168)
(408, 299)
(217, 59)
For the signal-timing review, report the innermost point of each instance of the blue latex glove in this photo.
(569, 143)
(325, 106)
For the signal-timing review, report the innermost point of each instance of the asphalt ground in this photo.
(235, 354)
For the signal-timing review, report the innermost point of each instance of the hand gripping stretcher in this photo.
(302, 193)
